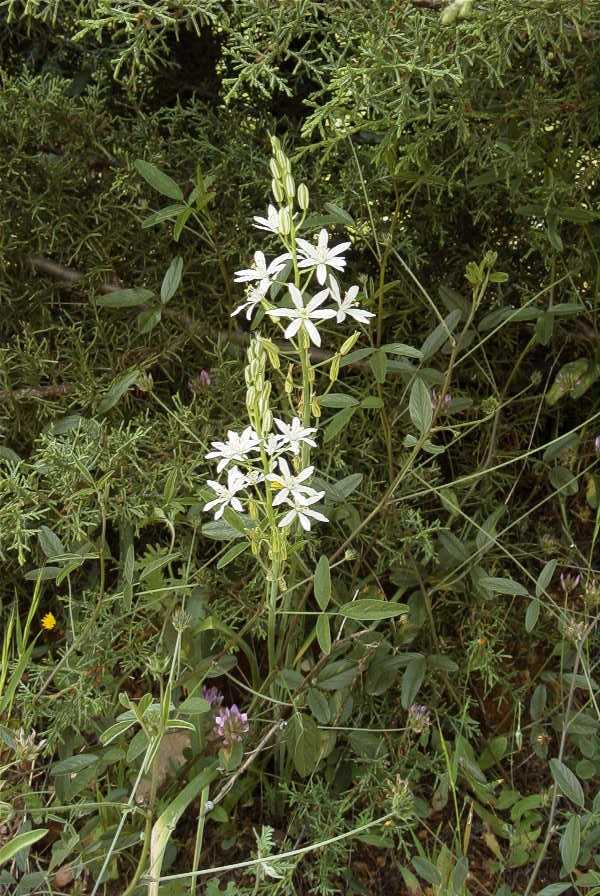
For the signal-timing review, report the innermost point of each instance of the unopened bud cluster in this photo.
(258, 388)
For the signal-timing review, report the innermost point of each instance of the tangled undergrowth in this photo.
(355, 649)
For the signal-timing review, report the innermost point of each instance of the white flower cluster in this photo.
(320, 259)
(254, 460)
(292, 493)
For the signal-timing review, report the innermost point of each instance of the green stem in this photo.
(272, 607)
(199, 838)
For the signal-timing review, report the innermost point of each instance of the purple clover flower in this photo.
(204, 378)
(212, 696)
(231, 725)
(419, 718)
(569, 582)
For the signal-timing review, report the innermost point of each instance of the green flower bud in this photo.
(303, 197)
(278, 191)
(285, 221)
(315, 407)
(290, 187)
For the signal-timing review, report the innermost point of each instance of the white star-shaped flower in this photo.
(301, 510)
(295, 434)
(226, 494)
(254, 297)
(347, 306)
(237, 447)
(304, 316)
(262, 272)
(321, 256)
(271, 223)
(290, 484)
(272, 444)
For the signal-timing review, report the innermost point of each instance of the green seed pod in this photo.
(334, 368)
(349, 343)
(272, 352)
(289, 381)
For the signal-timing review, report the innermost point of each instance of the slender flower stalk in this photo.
(267, 465)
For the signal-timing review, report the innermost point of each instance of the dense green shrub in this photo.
(432, 133)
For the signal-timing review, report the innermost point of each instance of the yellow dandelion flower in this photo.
(48, 621)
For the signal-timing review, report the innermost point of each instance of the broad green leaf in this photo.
(538, 702)
(570, 844)
(148, 319)
(21, 841)
(116, 730)
(440, 335)
(322, 582)
(567, 782)
(378, 362)
(118, 388)
(340, 213)
(50, 543)
(427, 871)
(337, 675)
(125, 298)
(193, 706)
(308, 746)
(161, 182)
(324, 633)
(337, 400)
(171, 280)
(412, 679)
(532, 614)
(545, 577)
(420, 406)
(344, 487)
(73, 764)
(372, 609)
(398, 348)
(233, 552)
(555, 889)
(501, 585)
(459, 875)
(563, 480)
(168, 213)
(371, 403)
(319, 706)
(337, 423)
(220, 530)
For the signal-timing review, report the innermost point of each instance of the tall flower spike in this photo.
(304, 316)
(226, 494)
(347, 306)
(321, 256)
(237, 447)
